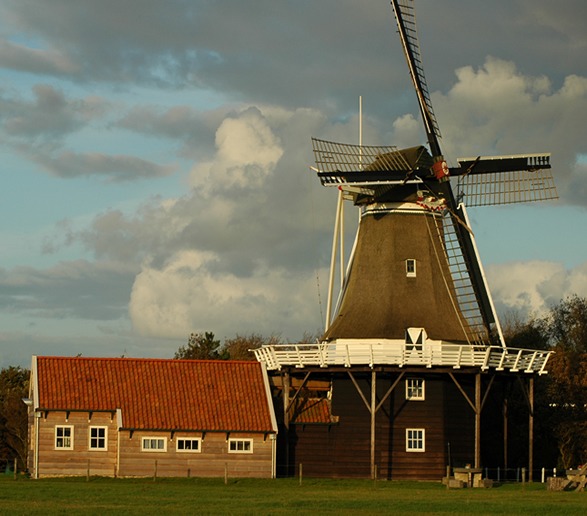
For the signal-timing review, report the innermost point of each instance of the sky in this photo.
(155, 157)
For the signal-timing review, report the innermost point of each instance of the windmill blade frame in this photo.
(405, 15)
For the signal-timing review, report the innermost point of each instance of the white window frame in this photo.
(62, 438)
(240, 446)
(411, 268)
(153, 450)
(413, 437)
(415, 392)
(191, 440)
(98, 438)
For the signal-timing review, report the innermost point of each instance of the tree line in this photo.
(560, 396)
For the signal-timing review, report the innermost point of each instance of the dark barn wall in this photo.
(459, 421)
(342, 449)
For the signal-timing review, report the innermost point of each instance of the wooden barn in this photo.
(412, 374)
(127, 417)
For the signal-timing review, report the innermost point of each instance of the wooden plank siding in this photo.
(65, 462)
(124, 456)
(342, 449)
(214, 459)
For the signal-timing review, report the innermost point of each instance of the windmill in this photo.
(413, 310)
(414, 263)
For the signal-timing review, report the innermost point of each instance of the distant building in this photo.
(143, 417)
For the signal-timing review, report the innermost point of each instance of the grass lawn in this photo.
(281, 496)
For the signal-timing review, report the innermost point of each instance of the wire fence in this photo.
(522, 474)
(9, 467)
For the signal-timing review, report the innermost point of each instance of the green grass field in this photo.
(281, 496)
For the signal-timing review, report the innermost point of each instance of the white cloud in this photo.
(186, 295)
(247, 152)
(531, 288)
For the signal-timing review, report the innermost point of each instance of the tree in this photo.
(238, 347)
(14, 386)
(200, 346)
(525, 334)
(567, 324)
(567, 378)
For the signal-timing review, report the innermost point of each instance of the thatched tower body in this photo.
(399, 278)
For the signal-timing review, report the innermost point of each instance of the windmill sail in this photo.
(406, 22)
(402, 219)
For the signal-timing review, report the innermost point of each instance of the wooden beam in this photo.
(390, 390)
(529, 404)
(373, 414)
(478, 420)
(297, 393)
(487, 392)
(531, 428)
(367, 404)
(505, 432)
(285, 394)
(462, 391)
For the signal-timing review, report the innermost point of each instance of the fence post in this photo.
(523, 475)
(155, 472)
(15, 468)
(543, 474)
(498, 474)
(301, 472)
(225, 473)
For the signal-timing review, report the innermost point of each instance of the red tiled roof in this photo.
(313, 411)
(213, 395)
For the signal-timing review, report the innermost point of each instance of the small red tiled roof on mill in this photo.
(207, 395)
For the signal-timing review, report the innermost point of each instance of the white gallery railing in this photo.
(373, 352)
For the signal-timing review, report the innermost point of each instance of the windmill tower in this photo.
(414, 307)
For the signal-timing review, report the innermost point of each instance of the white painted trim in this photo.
(483, 277)
(416, 450)
(371, 352)
(90, 448)
(244, 440)
(153, 450)
(268, 397)
(415, 398)
(71, 438)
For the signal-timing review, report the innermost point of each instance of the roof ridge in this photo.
(146, 359)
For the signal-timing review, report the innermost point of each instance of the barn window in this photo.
(154, 444)
(415, 389)
(240, 446)
(64, 437)
(98, 437)
(410, 268)
(415, 439)
(188, 445)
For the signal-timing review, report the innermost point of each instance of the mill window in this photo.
(415, 389)
(415, 439)
(411, 268)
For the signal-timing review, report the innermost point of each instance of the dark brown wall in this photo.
(343, 449)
